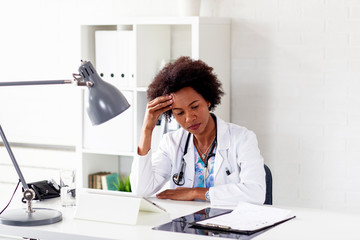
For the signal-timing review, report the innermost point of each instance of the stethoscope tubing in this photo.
(178, 178)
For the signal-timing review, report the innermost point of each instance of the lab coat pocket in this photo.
(233, 177)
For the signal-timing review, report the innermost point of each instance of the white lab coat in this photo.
(237, 151)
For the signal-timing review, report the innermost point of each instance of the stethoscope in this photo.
(178, 178)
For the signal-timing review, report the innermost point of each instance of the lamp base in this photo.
(41, 216)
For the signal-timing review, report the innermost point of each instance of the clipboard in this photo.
(181, 225)
(246, 219)
(223, 228)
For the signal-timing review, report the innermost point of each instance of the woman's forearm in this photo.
(200, 193)
(184, 194)
(144, 142)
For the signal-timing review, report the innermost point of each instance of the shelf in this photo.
(166, 21)
(128, 154)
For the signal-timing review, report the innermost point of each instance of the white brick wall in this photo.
(295, 72)
(295, 82)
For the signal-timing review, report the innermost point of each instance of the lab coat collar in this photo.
(223, 135)
(223, 144)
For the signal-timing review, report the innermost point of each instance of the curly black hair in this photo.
(185, 72)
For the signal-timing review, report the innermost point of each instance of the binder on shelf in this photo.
(246, 219)
(115, 57)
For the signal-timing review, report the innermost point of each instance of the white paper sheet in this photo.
(248, 217)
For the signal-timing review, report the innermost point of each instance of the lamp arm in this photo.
(77, 78)
(6, 143)
(44, 82)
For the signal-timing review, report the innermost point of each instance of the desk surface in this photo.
(308, 224)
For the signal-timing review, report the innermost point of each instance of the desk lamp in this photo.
(104, 102)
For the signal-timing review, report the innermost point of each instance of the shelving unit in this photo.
(152, 42)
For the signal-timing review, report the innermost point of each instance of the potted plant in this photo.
(123, 184)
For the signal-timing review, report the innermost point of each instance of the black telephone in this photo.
(45, 189)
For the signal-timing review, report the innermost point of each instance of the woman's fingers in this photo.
(160, 105)
(161, 99)
(160, 102)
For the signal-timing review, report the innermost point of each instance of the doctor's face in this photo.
(191, 110)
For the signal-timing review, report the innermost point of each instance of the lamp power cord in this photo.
(11, 198)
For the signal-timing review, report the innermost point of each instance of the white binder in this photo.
(115, 57)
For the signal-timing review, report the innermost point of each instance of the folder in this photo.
(115, 57)
(246, 219)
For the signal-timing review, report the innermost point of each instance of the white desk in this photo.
(308, 224)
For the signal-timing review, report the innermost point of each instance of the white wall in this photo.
(295, 78)
(296, 82)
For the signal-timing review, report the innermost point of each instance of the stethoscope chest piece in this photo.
(179, 179)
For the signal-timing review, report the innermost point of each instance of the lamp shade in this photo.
(105, 101)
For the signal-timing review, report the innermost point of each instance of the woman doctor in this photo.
(206, 158)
